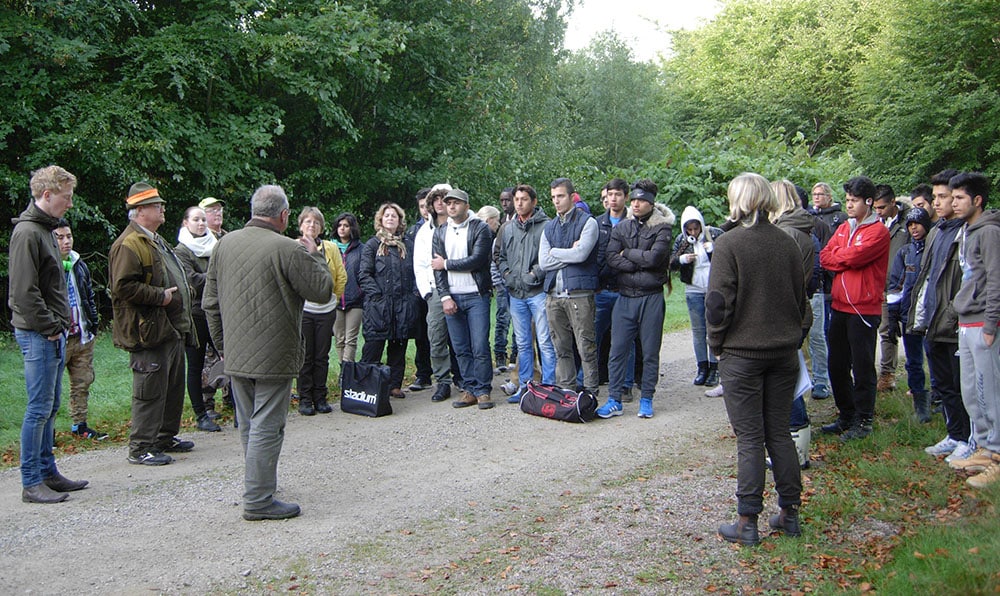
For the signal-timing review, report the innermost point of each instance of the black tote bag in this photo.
(364, 389)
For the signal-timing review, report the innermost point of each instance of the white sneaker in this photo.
(943, 447)
(509, 388)
(715, 391)
(963, 451)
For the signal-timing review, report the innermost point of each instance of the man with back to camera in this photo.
(257, 283)
(152, 322)
(858, 255)
(40, 315)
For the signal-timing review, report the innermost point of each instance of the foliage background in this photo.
(351, 103)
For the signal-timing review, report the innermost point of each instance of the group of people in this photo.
(584, 296)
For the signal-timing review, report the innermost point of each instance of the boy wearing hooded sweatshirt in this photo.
(978, 306)
(858, 255)
(692, 256)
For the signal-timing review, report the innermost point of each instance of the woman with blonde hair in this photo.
(755, 328)
(387, 280)
(317, 320)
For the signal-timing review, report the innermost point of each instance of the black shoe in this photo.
(836, 427)
(276, 510)
(208, 425)
(786, 521)
(177, 446)
(150, 458)
(501, 362)
(712, 378)
(82, 430)
(62, 484)
(699, 379)
(323, 406)
(420, 385)
(858, 430)
(40, 493)
(743, 531)
(213, 414)
(306, 407)
(443, 393)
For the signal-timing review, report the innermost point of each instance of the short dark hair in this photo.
(884, 192)
(509, 190)
(526, 188)
(422, 194)
(564, 182)
(943, 176)
(974, 183)
(351, 221)
(618, 184)
(922, 190)
(647, 185)
(860, 186)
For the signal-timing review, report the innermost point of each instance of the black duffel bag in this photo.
(364, 389)
(552, 401)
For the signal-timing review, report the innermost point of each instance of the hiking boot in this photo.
(886, 382)
(716, 391)
(484, 402)
(62, 484)
(985, 478)
(443, 392)
(150, 458)
(786, 521)
(465, 401)
(611, 408)
(40, 493)
(626, 396)
(276, 510)
(699, 379)
(836, 427)
(713, 375)
(645, 407)
(502, 362)
(306, 407)
(84, 431)
(208, 425)
(963, 451)
(420, 384)
(743, 531)
(943, 447)
(175, 445)
(859, 430)
(977, 462)
(820, 391)
(322, 406)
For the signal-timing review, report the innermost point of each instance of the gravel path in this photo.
(428, 499)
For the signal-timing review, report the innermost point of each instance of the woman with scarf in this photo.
(387, 280)
(318, 320)
(194, 249)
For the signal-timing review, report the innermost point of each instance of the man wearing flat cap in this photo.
(152, 322)
(213, 215)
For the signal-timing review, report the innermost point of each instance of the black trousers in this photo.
(395, 357)
(317, 332)
(851, 359)
(422, 360)
(947, 372)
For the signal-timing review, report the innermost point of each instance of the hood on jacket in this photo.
(661, 215)
(990, 217)
(35, 214)
(833, 208)
(691, 213)
(538, 216)
(798, 219)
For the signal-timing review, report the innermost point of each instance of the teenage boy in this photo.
(893, 216)
(978, 306)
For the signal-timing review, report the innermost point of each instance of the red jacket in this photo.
(859, 258)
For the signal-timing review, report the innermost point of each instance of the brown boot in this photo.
(465, 401)
(886, 382)
(485, 403)
(743, 531)
(786, 521)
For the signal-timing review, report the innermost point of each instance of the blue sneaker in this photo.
(646, 407)
(612, 407)
(515, 398)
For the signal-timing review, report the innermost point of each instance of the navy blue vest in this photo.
(578, 276)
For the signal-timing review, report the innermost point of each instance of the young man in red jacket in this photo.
(858, 254)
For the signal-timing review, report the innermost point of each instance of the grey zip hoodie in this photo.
(978, 299)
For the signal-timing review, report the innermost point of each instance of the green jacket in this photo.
(257, 283)
(37, 293)
(139, 274)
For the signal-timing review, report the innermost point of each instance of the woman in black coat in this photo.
(390, 307)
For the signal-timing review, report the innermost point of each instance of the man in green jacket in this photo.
(257, 283)
(152, 322)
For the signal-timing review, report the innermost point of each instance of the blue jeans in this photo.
(503, 320)
(913, 347)
(525, 312)
(604, 303)
(699, 328)
(43, 368)
(817, 341)
(469, 330)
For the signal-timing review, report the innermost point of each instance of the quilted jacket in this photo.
(257, 283)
